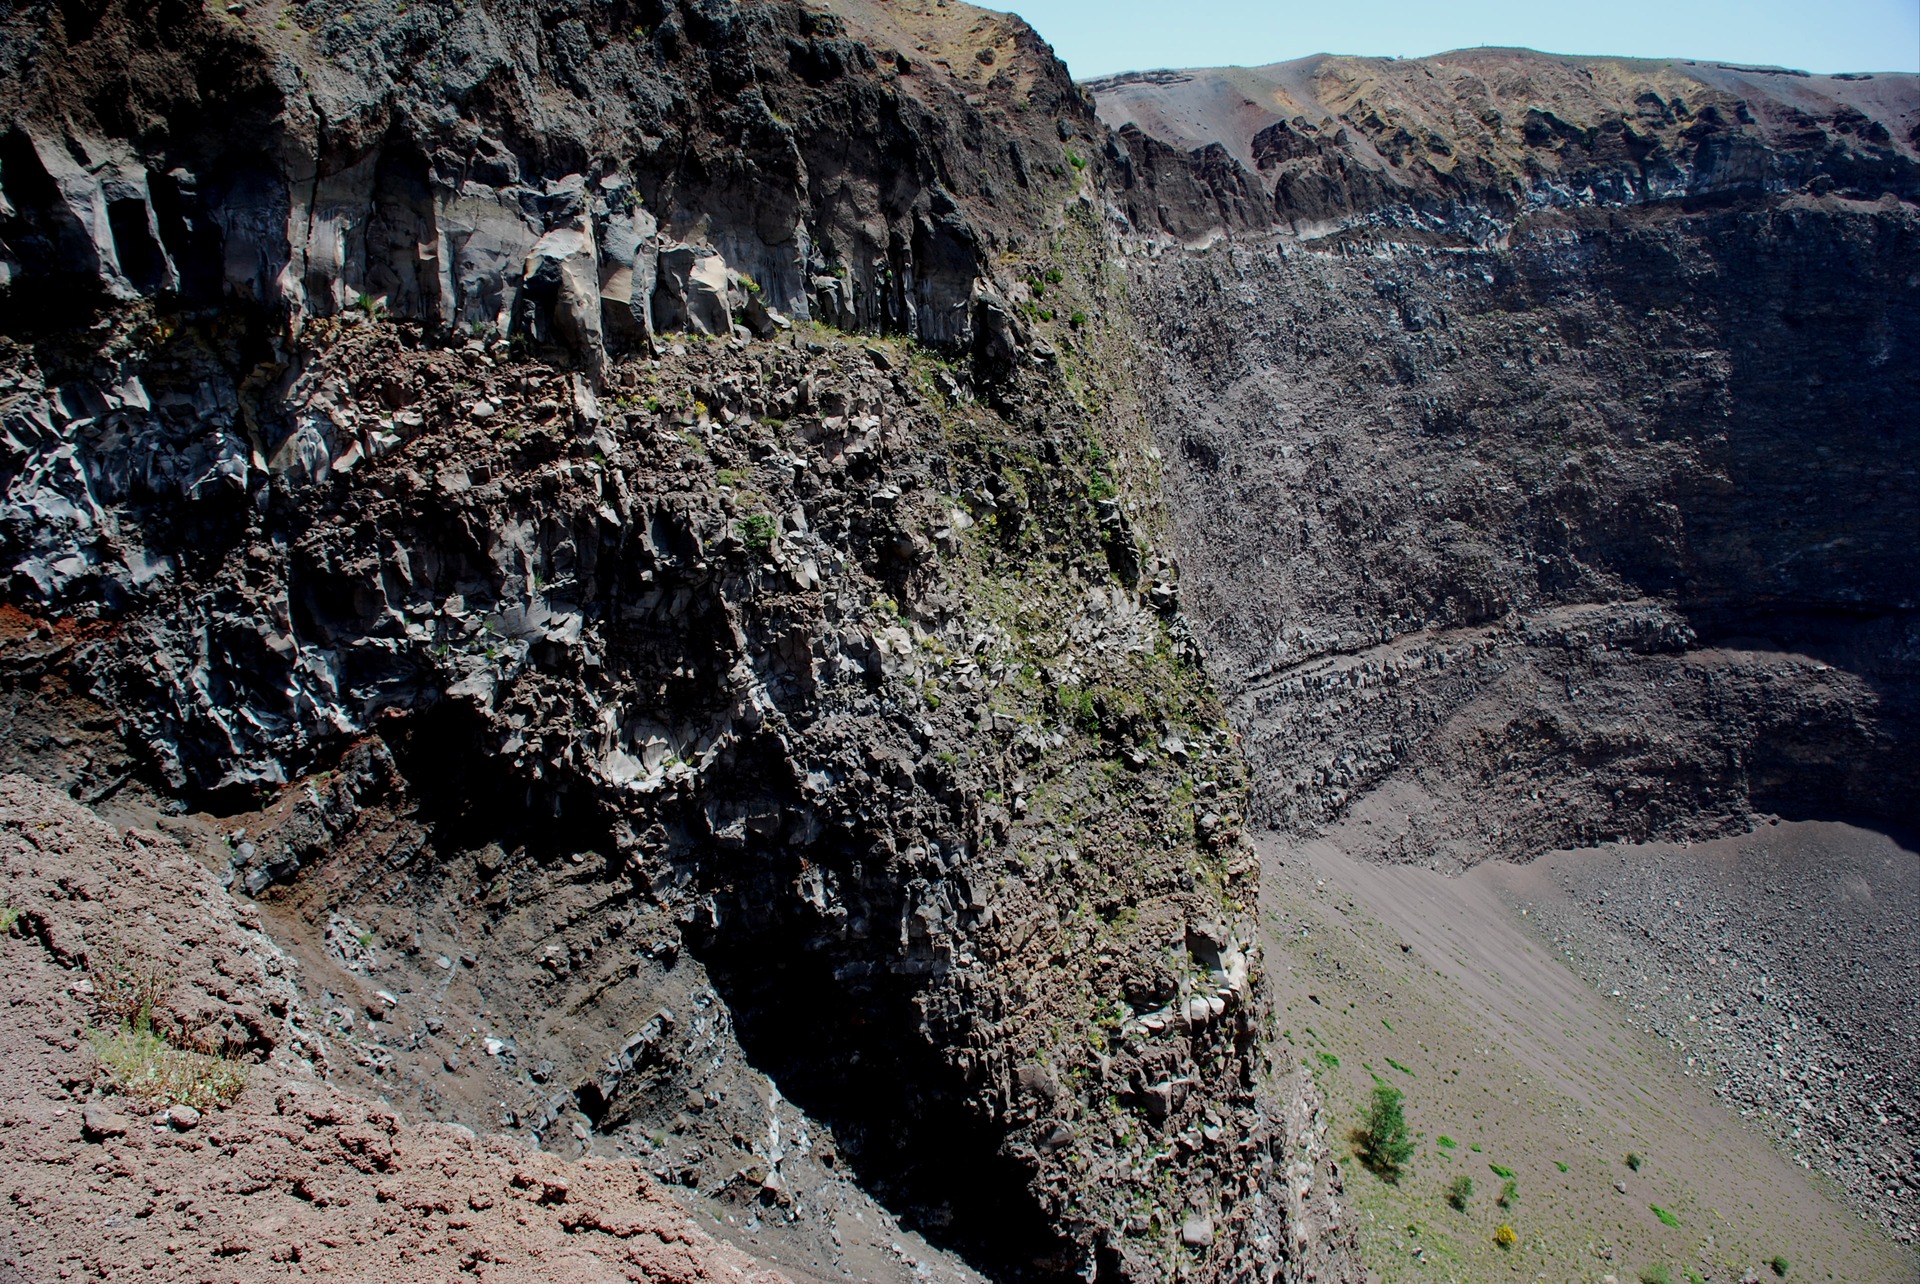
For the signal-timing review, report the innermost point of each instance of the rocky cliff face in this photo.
(1567, 480)
(581, 174)
(1458, 145)
(1539, 449)
(592, 501)
(647, 534)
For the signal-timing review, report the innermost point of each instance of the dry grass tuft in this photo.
(144, 1054)
(138, 1063)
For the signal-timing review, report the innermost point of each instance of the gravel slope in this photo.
(1440, 987)
(1781, 965)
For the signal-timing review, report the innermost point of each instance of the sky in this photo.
(1100, 37)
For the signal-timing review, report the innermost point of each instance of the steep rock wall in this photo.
(1597, 534)
(1565, 440)
(519, 167)
(422, 436)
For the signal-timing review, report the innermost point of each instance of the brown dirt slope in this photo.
(294, 1177)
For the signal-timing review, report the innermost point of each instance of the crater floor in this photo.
(1460, 992)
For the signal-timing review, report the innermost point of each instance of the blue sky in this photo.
(1099, 37)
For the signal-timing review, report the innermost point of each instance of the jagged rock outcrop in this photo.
(459, 489)
(517, 167)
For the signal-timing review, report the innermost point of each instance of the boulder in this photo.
(562, 287)
(629, 249)
(707, 296)
(691, 293)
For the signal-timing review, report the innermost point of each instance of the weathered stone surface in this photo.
(415, 442)
(1457, 145)
(331, 1180)
(1543, 476)
(412, 156)
(562, 284)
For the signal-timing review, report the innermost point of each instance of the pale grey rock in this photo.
(562, 283)
(629, 271)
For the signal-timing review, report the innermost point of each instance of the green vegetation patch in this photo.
(756, 531)
(1381, 1141)
(139, 1063)
(143, 1057)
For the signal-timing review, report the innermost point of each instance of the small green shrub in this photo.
(1078, 704)
(1656, 1275)
(1562, 1167)
(1509, 1194)
(1666, 1218)
(1634, 1161)
(1381, 1140)
(1501, 1170)
(8, 917)
(144, 1054)
(1506, 1237)
(757, 531)
(1780, 1266)
(1447, 1143)
(1459, 1191)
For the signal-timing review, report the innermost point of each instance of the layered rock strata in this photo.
(1543, 470)
(293, 1177)
(1563, 504)
(442, 436)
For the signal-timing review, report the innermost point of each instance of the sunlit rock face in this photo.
(1542, 459)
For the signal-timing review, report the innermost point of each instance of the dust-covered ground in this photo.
(1514, 1062)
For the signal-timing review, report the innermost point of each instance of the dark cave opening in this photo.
(470, 797)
